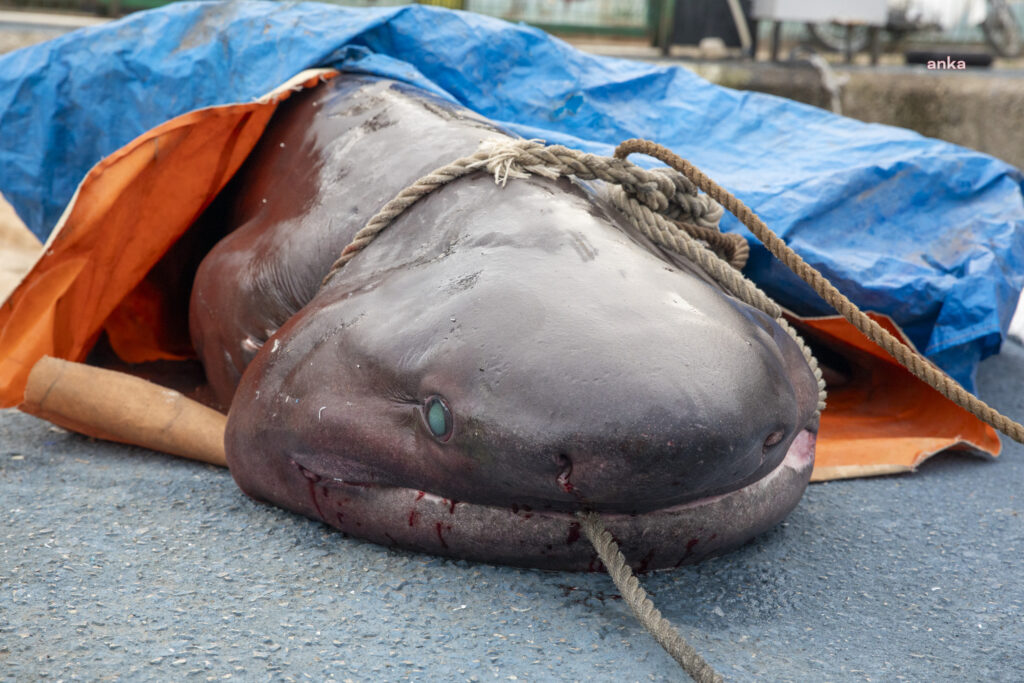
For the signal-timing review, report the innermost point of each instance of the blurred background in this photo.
(950, 69)
(829, 25)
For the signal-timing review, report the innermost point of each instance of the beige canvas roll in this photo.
(119, 407)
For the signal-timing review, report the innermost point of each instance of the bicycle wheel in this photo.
(1001, 29)
(832, 37)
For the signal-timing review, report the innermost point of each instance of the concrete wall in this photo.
(978, 109)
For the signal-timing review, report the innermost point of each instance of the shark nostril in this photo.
(564, 463)
(772, 439)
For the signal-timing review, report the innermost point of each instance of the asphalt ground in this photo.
(117, 563)
(122, 564)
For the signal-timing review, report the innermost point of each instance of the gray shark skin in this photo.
(498, 359)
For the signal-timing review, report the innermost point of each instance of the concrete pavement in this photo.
(118, 563)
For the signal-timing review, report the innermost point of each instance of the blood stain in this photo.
(311, 479)
(644, 563)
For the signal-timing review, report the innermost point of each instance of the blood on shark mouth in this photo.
(523, 535)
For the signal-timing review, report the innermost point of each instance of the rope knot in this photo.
(506, 159)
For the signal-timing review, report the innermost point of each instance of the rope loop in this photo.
(666, 206)
(914, 362)
(682, 212)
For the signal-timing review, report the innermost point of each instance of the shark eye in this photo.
(438, 417)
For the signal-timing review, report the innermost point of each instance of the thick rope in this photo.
(731, 247)
(636, 597)
(667, 208)
(403, 201)
(812, 362)
(656, 191)
(669, 235)
(920, 367)
(663, 205)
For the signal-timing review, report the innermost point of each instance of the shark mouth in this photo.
(659, 539)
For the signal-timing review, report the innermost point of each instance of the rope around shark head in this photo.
(662, 205)
(914, 362)
(665, 206)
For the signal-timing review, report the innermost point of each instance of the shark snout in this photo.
(653, 471)
(678, 430)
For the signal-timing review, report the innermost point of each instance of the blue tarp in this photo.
(925, 231)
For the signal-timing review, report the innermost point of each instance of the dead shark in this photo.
(497, 360)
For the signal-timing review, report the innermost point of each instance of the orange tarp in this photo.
(135, 204)
(881, 419)
(130, 208)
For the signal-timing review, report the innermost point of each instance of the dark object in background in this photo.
(1002, 30)
(693, 20)
(970, 59)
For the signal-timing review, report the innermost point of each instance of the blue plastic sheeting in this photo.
(925, 231)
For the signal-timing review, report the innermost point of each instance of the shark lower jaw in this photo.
(659, 539)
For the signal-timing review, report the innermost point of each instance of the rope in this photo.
(663, 205)
(636, 597)
(904, 355)
(670, 194)
(667, 208)
(403, 201)
(730, 246)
